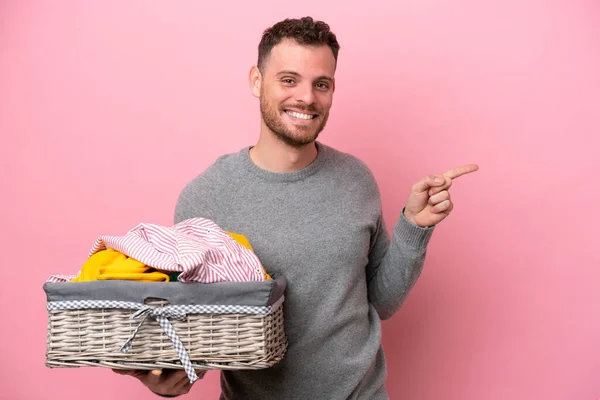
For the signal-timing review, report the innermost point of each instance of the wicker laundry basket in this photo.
(151, 325)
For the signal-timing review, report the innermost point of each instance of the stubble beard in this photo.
(297, 136)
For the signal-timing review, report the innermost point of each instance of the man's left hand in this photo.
(429, 200)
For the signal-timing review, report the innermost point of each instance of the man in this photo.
(313, 214)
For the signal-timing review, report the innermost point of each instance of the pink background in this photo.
(108, 108)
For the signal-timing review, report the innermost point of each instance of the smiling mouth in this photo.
(298, 115)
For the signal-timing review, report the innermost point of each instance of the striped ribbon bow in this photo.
(162, 315)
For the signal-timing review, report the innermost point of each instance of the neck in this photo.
(271, 154)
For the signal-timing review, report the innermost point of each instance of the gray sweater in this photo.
(322, 228)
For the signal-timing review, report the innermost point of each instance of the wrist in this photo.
(409, 216)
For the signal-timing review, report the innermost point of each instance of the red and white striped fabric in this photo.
(198, 248)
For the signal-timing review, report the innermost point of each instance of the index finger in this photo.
(462, 170)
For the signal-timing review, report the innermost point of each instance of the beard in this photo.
(294, 136)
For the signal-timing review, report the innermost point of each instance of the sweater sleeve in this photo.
(197, 200)
(395, 265)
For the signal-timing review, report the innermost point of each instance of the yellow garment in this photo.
(241, 239)
(112, 264)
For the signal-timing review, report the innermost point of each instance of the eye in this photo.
(323, 85)
(288, 81)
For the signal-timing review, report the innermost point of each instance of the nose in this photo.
(305, 94)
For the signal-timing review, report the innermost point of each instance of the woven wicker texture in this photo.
(93, 337)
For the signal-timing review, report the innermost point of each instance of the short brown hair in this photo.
(304, 31)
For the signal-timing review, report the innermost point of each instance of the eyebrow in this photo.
(294, 73)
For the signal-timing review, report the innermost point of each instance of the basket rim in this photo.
(255, 293)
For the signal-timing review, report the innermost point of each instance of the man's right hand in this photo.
(169, 383)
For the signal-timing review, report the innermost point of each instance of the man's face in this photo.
(296, 91)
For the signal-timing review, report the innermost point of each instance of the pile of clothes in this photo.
(194, 250)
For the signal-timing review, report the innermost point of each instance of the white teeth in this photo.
(300, 115)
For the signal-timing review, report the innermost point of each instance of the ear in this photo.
(255, 80)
